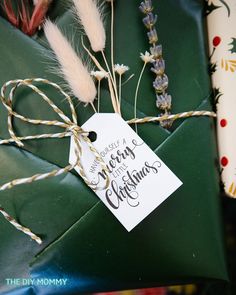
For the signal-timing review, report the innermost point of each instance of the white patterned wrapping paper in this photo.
(222, 45)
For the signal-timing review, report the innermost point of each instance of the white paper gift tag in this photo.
(139, 180)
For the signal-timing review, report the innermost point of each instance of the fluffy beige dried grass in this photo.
(90, 16)
(74, 72)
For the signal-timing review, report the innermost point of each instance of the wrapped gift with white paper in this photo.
(222, 43)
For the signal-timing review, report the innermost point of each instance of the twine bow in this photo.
(71, 129)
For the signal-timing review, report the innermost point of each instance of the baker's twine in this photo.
(72, 129)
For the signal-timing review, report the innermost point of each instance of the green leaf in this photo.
(216, 94)
(233, 44)
(212, 68)
(210, 7)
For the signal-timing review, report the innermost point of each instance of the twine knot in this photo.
(75, 129)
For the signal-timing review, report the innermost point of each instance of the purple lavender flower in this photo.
(166, 123)
(156, 51)
(163, 101)
(150, 20)
(158, 67)
(152, 35)
(146, 6)
(161, 83)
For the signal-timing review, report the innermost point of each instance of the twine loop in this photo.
(71, 129)
(69, 125)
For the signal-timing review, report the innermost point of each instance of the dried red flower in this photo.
(39, 13)
(13, 19)
(23, 19)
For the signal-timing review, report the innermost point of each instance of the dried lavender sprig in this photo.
(163, 99)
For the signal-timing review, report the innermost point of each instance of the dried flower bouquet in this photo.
(78, 75)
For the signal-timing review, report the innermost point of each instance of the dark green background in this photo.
(181, 241)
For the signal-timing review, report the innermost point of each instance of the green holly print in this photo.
(233, 44)
(226, 6)
(210, 7)
(212, 68)
(216, 94)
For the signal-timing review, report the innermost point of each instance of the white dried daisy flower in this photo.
(121, 69)
(99, 75)
(147, 57)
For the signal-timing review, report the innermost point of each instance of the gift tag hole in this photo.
(92, 136)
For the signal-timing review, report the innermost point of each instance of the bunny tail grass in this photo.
(72, 68)
(90, 17)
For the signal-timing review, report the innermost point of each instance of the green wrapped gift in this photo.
(83, 243)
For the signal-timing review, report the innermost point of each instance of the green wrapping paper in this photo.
(181, 241)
